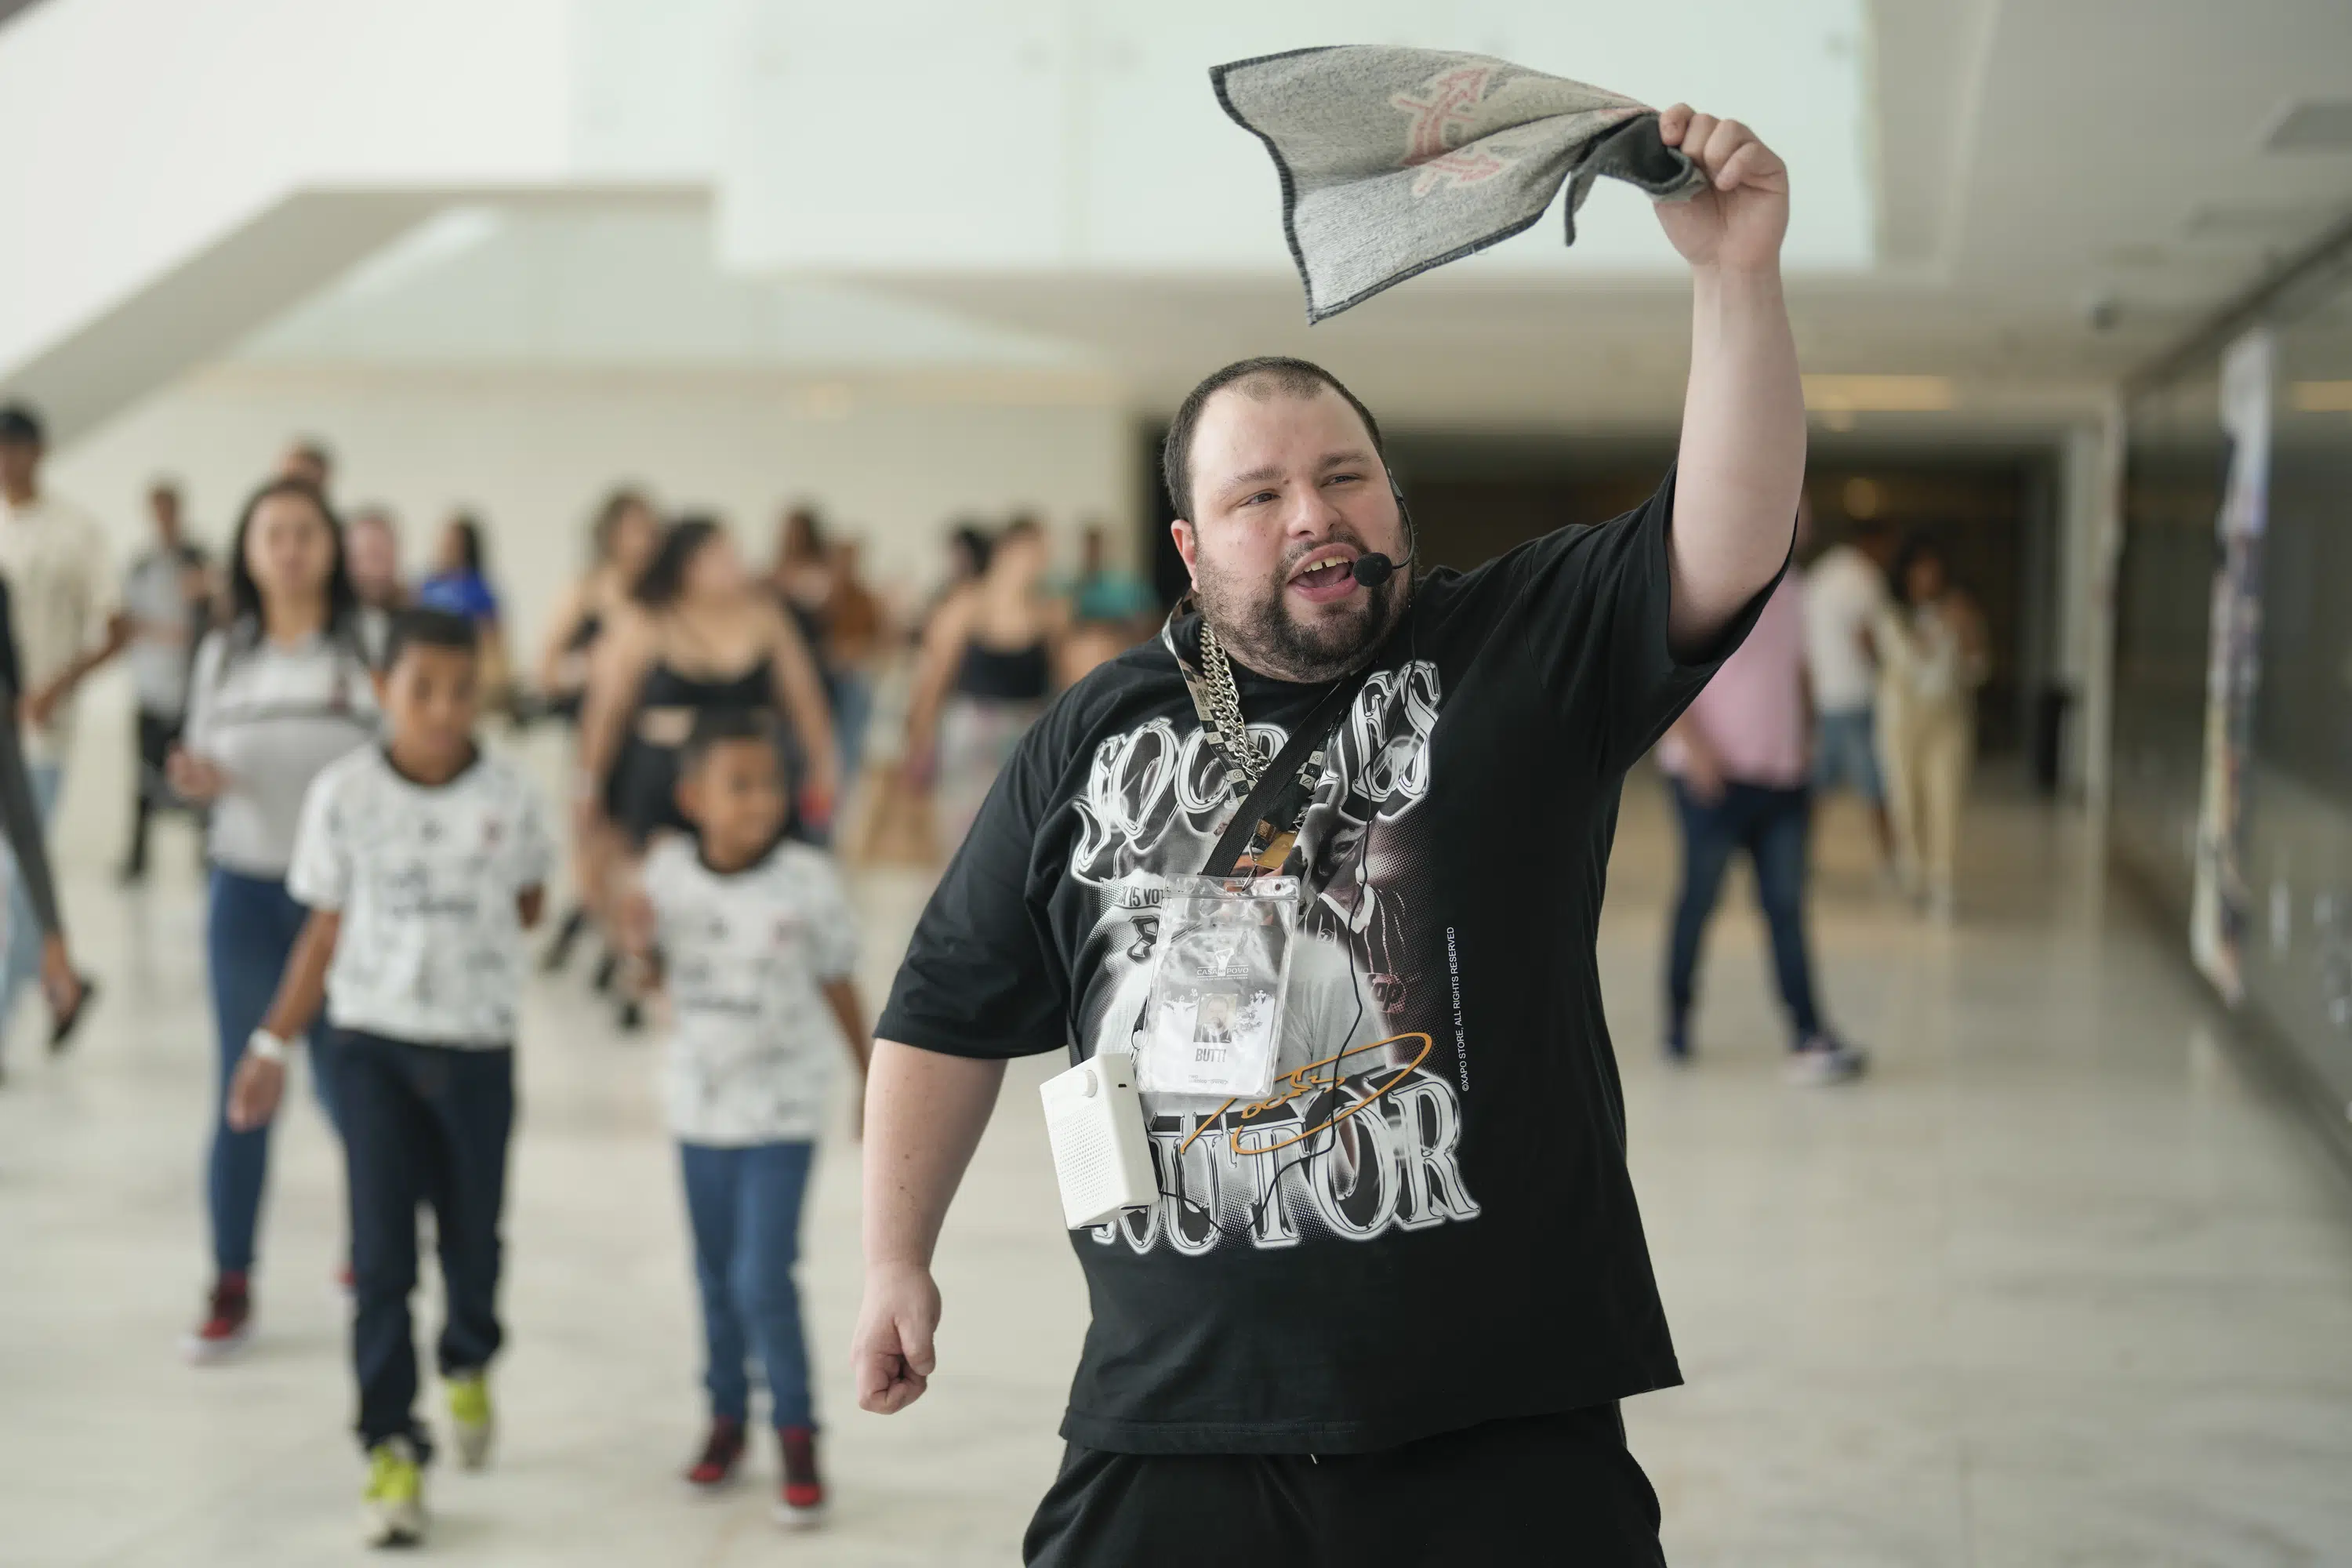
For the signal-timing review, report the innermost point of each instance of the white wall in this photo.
(533, 451)
(161, 125)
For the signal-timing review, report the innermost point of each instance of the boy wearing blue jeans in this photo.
(754, 941)
(422, 861)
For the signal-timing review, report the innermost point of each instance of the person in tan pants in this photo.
(1932, 658)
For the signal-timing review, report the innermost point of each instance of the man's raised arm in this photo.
(1742, 459)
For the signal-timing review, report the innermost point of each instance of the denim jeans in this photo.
(249, 933)
(1845, 754)
(1771, 826)
(852, 691)
(23, 965)
(744, 1205)
(421, 1124)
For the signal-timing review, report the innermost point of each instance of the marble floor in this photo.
(2057, 1285)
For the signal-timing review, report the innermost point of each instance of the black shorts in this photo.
(1536, 1489)
(644, 792)
(641, 796)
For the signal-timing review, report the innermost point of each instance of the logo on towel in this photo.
(1440, 118)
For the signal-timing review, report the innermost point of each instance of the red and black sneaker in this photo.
(802, 1503)
(722, 1450)
(228, 1320)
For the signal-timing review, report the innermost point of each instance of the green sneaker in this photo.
(469, 1417)
(393, 1509)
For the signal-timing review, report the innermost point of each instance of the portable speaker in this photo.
(1102, 1158)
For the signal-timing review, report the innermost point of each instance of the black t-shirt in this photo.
(1449, 1236)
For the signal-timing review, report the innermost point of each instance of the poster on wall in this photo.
(2218, 911)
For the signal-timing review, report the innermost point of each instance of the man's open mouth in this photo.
(1327, 573)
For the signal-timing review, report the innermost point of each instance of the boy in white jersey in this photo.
(422, 861)
(757, 941)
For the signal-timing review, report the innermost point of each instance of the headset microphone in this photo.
(1373, 569)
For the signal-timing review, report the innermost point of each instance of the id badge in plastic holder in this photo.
(1217, 992)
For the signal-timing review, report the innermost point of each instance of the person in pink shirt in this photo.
(1737, 762)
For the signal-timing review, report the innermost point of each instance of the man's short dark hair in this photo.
(428, 628)
(717, 727)
(20, 426)
(1281, 375)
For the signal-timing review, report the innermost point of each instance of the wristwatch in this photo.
(267, 1046)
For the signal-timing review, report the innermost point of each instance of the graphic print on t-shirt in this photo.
(753, 1049)
(426, 878)
(1359, 1135)
(722, 988)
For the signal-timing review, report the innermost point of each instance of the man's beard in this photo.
(1256, 624)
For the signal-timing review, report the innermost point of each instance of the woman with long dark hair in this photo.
(622, 541)
(278, 694)
(1932, 657)
(840, 618)
(982, 677)
(803, 572)
(703, 634)
(624, 536)
(460, 583)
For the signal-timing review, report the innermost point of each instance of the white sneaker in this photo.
(1943, 905)
(391, 1509)
(1824, 1060)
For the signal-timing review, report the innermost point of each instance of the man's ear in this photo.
(1188, 545)
(688, 796)
(382, 681)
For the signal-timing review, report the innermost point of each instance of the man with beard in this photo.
(1411, 1346)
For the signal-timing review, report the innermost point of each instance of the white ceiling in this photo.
(1030, 136)
(620, 282)
(2031, 158)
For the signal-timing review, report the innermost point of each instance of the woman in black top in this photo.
(982, 677)
(625, 533)
(68, 991)
(701, 633)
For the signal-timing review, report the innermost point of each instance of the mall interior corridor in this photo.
(2059, 1282)
(710, 473)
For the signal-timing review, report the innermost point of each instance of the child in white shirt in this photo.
(422, 861)
(755, 941)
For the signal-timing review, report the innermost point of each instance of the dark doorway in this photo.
(1475, 496)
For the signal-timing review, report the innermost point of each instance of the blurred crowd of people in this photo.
(1860, 676)
(315, 709)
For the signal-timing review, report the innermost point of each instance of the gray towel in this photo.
(1396, 161)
